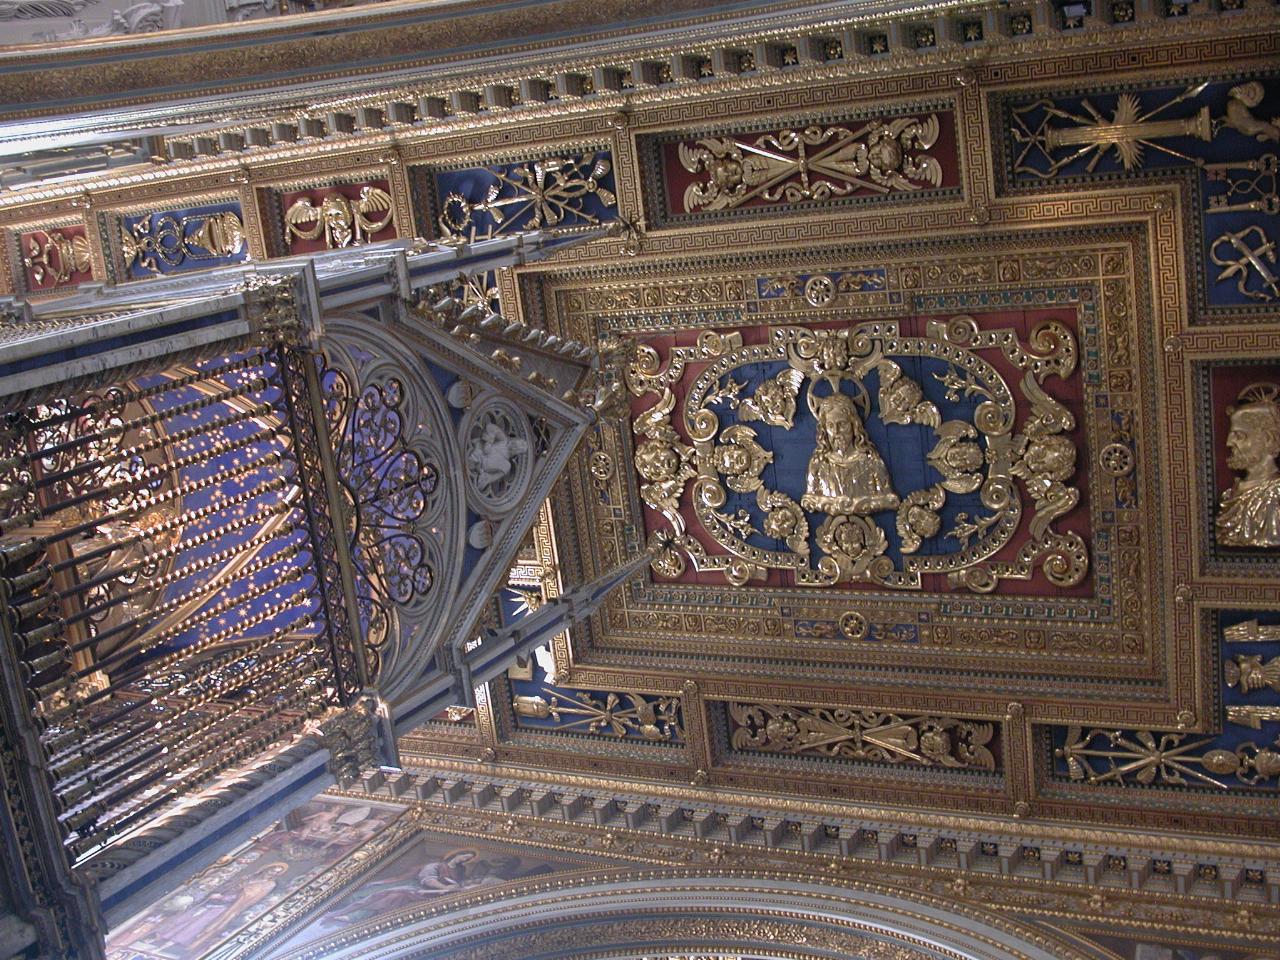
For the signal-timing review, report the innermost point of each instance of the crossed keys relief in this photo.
(837, 528)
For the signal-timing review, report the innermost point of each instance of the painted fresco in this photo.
(430, 868)
(810, 163)
(241, 886)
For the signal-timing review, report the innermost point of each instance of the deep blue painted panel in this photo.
(1236, 738)
(1182, 128)
(572, 190)
(189, 238)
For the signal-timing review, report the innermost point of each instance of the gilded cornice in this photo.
(1016, 894)
(385, 35)
(134, 81)
(835, 811)
(1164, 47)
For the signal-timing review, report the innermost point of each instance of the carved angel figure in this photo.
(662, 460)
(492, 456)
(774, 401)
(902, 399)
(1249, 514)
(730, 173)
(957, 456)
(846, 473)
(740, 459)
(918, 518)
(1045, 463)
(342, 222)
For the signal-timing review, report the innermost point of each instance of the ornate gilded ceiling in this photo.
(931, 389)
(951, 426)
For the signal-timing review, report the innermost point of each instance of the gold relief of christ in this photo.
(691, 476)
(846, 473)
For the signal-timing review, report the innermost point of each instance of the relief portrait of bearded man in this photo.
(1249, 512)
(846, 473)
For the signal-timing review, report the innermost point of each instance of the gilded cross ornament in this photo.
(721, 468)
(1051, 137)
(1249, 512)
(815, 163)
(341, 221)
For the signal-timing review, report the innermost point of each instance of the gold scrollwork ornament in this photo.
(342, 222)
(816, 163)
(853, 625)
(662, 460)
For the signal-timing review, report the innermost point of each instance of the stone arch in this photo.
(647, 913)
